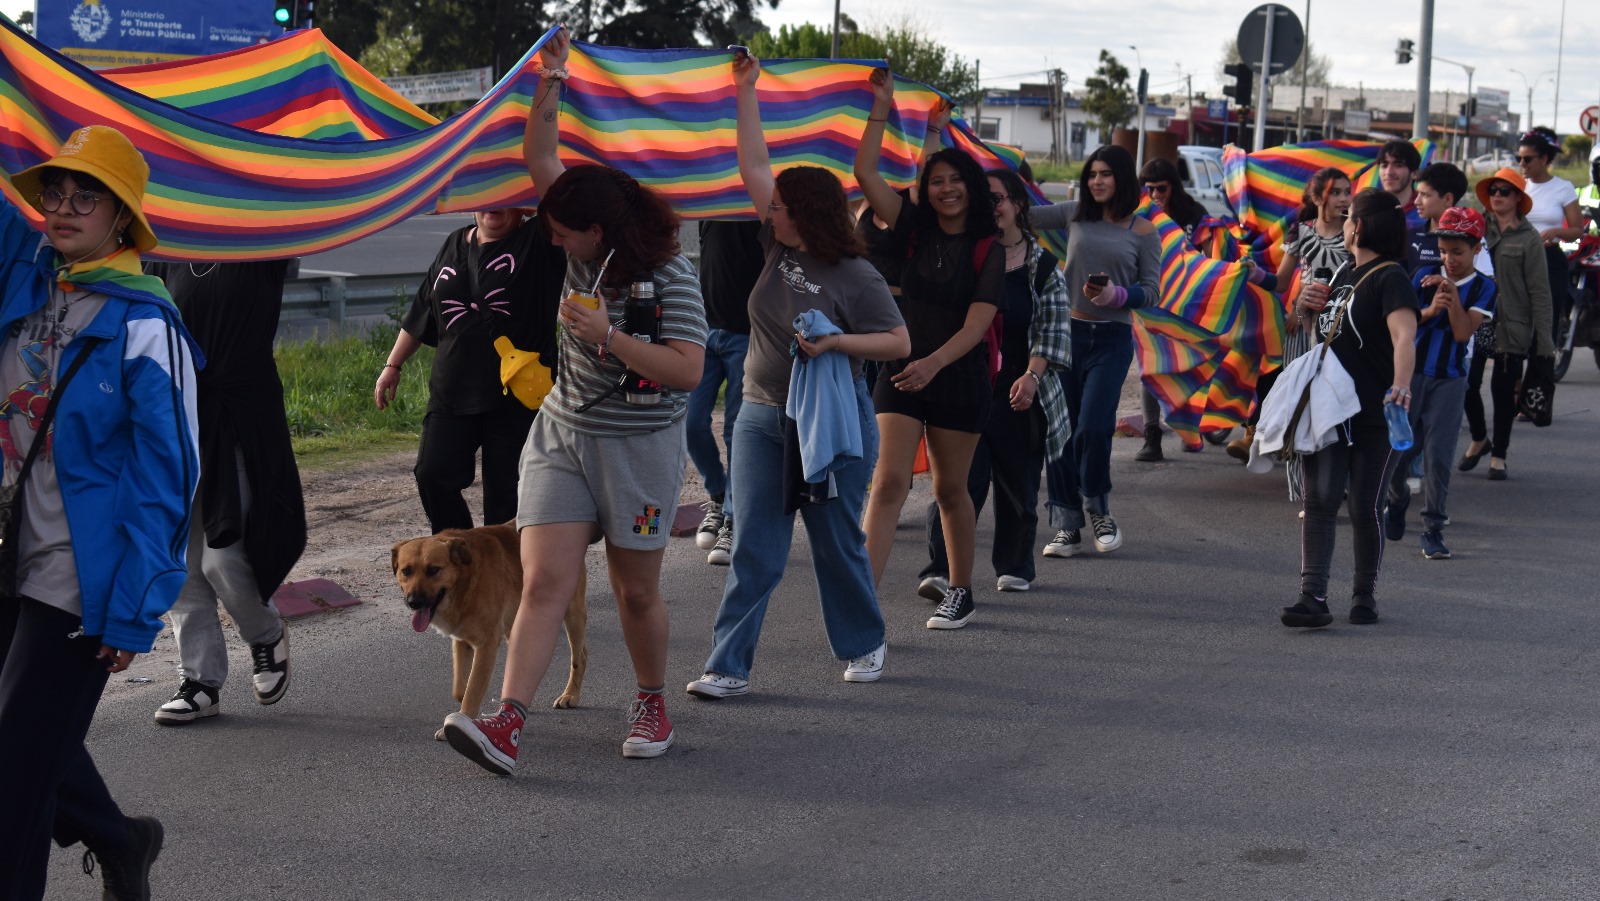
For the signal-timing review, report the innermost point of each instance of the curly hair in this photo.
(1125, 198)
(980, 207)
(1016, 190)
(1543, 140)
(820, 212)
(634, 221)
(1315, 196)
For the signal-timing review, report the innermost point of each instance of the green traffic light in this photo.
(281, 15)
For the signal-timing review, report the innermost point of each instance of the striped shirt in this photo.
(1439, 354)
(581, 376)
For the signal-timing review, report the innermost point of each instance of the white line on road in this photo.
(306, 272)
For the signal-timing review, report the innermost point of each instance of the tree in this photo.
(1108, 99)
(392, 50)
(1317, 66)
(456, 34)
(657, 24)
(908, 49)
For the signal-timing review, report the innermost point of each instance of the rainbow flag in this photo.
(220, 190)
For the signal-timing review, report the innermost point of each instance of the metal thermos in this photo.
(1322, 275)
(642, 313)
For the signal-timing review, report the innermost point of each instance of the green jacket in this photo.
(1523, 313)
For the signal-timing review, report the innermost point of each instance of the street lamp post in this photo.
(1530, 85)
(1470, 70)
(1138, 159)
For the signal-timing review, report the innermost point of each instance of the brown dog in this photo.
(467, 584)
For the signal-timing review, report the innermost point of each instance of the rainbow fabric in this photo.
(222, 191)
(1198, 346)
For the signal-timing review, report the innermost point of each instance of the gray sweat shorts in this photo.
(629, 485)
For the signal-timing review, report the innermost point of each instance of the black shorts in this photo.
(959, 397)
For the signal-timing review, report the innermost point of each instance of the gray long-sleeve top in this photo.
(1129, 254)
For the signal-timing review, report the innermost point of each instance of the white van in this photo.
(1201, 171)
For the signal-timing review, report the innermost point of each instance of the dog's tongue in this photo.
(421, 619)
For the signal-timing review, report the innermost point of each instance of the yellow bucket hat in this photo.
(106, 154)
(523, 373)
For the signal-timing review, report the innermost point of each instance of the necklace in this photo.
(199, 273)
(1020, 241)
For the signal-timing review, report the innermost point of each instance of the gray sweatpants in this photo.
(1437, 406)
(219, 574)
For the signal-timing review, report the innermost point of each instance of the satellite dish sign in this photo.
(1288, 38)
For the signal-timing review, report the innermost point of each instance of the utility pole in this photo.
(1561, 43)
(1266, 74)
(977, 105)
(1419, 120)
(834, 53)
(1305, 57)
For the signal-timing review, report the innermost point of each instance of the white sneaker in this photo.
(722, 552)
(715, 687)
(1067, 543)
(933, 588)
(1107, 537)
(868, 667)
(1012, 583)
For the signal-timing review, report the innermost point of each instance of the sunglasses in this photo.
(1159, 187)
(1500, 191)
(998, 198)
(1525, 160)
(83, 202)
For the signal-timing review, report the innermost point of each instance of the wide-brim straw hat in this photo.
(106, 154)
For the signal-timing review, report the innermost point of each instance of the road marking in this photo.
(306, 272)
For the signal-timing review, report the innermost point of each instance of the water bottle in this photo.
(1399, 426)
(642, 315)
(1322, 275)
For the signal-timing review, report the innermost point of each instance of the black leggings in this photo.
(1503, 391)
(1362, 469)
(50, 684)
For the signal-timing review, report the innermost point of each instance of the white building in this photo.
(1022, 118)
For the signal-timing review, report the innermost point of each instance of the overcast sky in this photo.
(1177, 37)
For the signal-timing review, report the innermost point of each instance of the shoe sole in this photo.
(466, 744)
(1362, 621)
(930, 590)
(705, 541)
(646, 750)
(862, 676)
(176, 718)
(942, 623)
(1007, 586)
(719, 559)
(709, 693)
(1305, 620)
(1437, 555)
(277, 694)
(1062, 551)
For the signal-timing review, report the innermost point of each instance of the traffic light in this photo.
(283, 14)
(303, 13)
(1403, 50)
(1243, 79)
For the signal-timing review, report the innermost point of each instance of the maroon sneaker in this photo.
(490, 742)
(651, 734)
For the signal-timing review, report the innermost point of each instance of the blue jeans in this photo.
(725, 352)
(761, 544)
(1101, 354)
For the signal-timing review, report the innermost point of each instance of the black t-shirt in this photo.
(1363, 345)
(231, 309)
(940, 281)
(474, 293)
(730, 262)
(1017, 314)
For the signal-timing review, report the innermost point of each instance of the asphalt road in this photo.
(1137, 727)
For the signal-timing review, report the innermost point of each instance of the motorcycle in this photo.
(1582, 325)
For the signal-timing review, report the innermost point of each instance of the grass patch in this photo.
(327, 393)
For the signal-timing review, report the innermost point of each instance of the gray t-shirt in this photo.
(582, 376)
(1130, 259)
(850, 293)
(47, 571)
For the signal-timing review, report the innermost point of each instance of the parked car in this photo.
(1201, 171)
(1491, 162)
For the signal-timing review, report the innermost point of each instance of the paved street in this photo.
(1137, 727)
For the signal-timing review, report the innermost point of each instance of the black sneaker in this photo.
(1394, 520)
(705, 537)
(192, 702)
(1067, 543)
(125, 871)
(1363, 610)
(954, 610)
(722, 552)
(1307, 613)
(1433, 546)
(271, 671)
(1107, 537)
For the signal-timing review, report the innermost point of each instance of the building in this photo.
(1026, 118)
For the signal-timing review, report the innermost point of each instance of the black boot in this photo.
(1307, 613)
(1151, 452)
(125, 871)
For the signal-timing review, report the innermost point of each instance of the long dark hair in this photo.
(1017, 191)
(821, 213)
(1179, 206)
(634, 221)
(1383, 222)
(1126, 198)
(1316, 192)
(980, 207)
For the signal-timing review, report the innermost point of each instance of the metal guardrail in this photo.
(337, 298)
